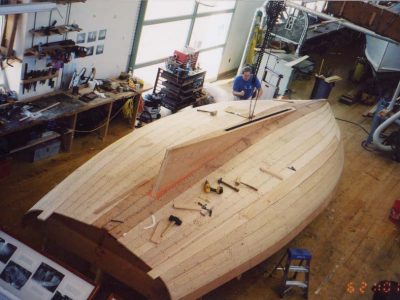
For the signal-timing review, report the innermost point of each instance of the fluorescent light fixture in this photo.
(13, 9)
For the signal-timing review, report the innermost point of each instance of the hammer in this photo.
(173, 220)
(220, 181)
(212, 113)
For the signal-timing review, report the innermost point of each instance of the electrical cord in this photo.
(363, 143)
(354, 123)
(104, 124)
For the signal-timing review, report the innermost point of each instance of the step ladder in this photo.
(297, 261)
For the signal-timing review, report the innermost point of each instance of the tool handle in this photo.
(249, 186)
(186, 206)
(166, 229)
(230, 186)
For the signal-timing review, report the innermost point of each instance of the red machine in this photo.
(183, 58)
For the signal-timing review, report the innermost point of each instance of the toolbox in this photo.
(46, 150)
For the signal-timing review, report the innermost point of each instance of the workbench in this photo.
(68, 109)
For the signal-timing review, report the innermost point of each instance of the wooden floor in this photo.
(353, 243)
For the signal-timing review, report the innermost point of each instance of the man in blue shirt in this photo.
(246, 86)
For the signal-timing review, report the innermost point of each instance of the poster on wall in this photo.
(80, 38)
(89, 51)
(48, 277)
(6, 250)
(15, 275)
(59, 296)
(99, 49)
(92, 36)
(102, 34)
(27, 274)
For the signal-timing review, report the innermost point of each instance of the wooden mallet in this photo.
(173, 220)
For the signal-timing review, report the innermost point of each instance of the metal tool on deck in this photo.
(174, 220)
(239, 182)
(204, 206)
(211, 112)
(220, 181)
(207, 188)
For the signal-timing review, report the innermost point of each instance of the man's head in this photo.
(246, 73)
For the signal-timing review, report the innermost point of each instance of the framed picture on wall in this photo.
(6, 250)
(99, 49)
(89, 51)
(59, 296)
(92, 36)
(102, 34)
(48, 277)
(80, 38)
(15, 275)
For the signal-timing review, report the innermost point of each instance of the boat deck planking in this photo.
(169, 165)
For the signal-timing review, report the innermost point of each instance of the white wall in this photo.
(118, 17)
(238, 33)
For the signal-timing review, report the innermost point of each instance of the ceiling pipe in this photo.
(259, 13)
(340, 21)
(14, 9)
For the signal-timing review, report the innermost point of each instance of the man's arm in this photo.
(236, 89)
(238, 94)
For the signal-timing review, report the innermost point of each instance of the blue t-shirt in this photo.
(240, 84)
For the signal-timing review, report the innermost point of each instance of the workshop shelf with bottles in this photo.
(179, 89)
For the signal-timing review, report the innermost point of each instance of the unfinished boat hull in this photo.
(291, 152)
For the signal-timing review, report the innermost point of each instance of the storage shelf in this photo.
(57, 30)
(179, 91)
(36, 142)
(23, 81)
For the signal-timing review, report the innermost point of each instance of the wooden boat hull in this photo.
(108, 202)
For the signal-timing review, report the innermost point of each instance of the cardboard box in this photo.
(46, 150)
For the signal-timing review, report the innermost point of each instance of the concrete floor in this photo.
(352, 241)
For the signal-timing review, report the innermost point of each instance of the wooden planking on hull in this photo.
(131, 239)
(245, 227)
(226, 210)
(244, 243)
(235, 221)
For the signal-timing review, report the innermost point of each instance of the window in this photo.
(162, 9)
(160, 40)
(207, 61)
(171, 25)
(211, 31)
(149, 73)
(214, 5)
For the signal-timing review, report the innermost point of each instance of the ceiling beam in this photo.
(379, 19)
(343, 22)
